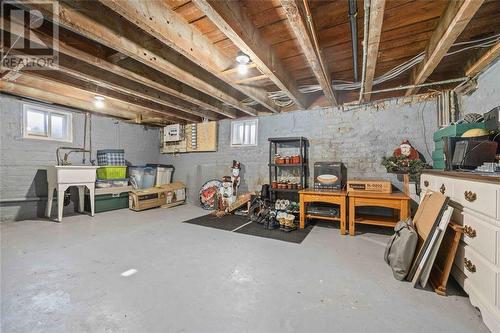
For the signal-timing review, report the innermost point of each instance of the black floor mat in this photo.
(237, 223)
(256, 229)
(228, 222)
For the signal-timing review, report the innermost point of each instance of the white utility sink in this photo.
(60, 177)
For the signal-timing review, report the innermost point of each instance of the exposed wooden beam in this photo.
(108, 80)
(453, 21)
(298, 19)
(164, 24)
(486, 59)
(252, 79)
(376, 18)
(12, 74)
(55, 86)
(162, 85)
(91, 87)
(116, 57)
(124, 38)
(59, 97)
(232, 20)
(235, 69)
(97, 82)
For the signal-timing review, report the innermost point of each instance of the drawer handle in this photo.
(471, 233)
(442, 189)
(470, 196)
(469, 265)
(426, 183)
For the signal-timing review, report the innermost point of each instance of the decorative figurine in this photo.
(407, 150)
(226, 193)
(235, 178)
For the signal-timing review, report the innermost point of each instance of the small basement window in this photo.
(47, 124)
(244, 133)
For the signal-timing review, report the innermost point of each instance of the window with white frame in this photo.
(244, 133)
(46, 123)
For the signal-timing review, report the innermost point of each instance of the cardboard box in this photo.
(329, 175)
(166, 195)
(145, 199)
(369, 185)
(174, 193)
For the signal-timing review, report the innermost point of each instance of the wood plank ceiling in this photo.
(170, 61)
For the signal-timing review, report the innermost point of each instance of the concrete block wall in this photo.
(487, 95)
(22, 161)
(359, 138)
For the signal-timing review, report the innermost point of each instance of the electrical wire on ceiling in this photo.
(281, 98)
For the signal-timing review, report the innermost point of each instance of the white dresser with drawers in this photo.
(476, 200)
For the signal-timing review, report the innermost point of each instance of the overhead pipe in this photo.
(460, 79)
(353, 13)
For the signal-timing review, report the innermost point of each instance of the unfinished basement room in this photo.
(252, 166)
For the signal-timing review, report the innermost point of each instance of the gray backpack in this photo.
(400, 250)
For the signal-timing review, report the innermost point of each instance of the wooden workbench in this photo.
(398, 201)
(332, 197)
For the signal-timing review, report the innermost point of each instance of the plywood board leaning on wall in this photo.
(200, 137)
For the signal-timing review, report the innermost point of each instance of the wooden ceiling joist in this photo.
(487, 58)
(298, 19)
(90, 87)
(453, 21)
(164, 24)
(139, 73)
(233, 21)
(59, 97)
(131, 42)
(111, 81)
(374, 32)
(252, 79)
(73, 66)
(116, 57)
(81, 92)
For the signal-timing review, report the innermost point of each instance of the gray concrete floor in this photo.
(67, 278)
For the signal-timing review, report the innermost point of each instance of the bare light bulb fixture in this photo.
(242, 69)
(99, 102)
(243, 60)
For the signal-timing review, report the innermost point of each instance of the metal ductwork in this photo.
(353, 13)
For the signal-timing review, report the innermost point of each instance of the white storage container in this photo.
(163, 173)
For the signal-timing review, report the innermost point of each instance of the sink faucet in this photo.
(66, 155)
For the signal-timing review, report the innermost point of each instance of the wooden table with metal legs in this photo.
(398, 201)
(332, 197)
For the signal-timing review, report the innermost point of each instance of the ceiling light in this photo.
(242, 58)
(242, 69)
(99, 102)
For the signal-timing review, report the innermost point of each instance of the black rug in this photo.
(240, 224)
(256, 229)
(228, 222)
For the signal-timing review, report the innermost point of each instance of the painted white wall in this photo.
(487, 94)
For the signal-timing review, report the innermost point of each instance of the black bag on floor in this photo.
(401, 248)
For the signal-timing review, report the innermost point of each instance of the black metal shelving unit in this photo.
(275, 144)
